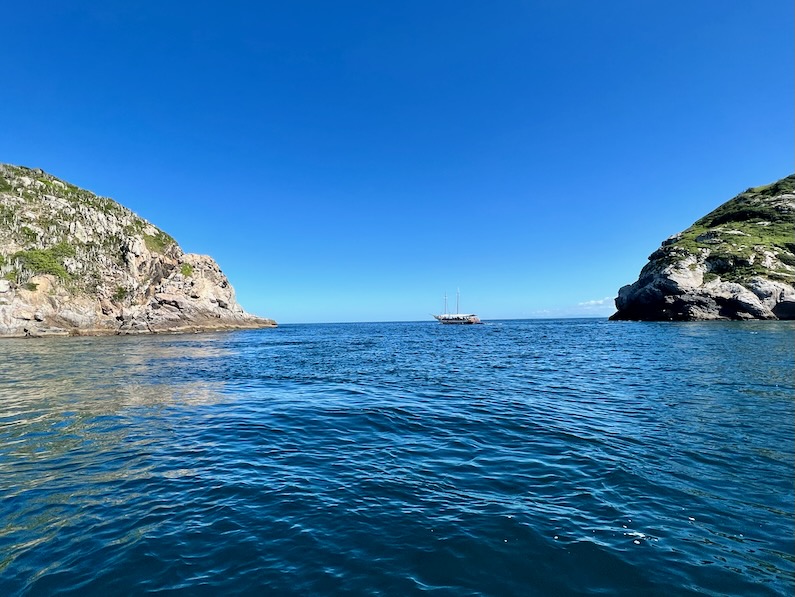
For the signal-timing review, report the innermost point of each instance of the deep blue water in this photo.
(513, 458)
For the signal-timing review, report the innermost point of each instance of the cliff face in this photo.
(737, 262)
(75, 263)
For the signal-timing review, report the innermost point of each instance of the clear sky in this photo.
(355, 160)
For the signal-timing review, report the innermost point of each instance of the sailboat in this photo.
(457, 317)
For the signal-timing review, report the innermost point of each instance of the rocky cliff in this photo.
(75, 263)
(737, 262)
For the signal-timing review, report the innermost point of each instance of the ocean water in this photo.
(514, 458)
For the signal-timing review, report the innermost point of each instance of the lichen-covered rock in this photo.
(737, 262)
(75, 263)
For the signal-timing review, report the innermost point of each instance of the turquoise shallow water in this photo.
(513, 458)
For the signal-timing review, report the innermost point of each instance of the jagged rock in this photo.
(75, 263)
(737, 262)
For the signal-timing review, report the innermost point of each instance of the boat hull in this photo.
(457, 319)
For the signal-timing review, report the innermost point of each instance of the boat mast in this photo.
(457, 292)
(445, 302)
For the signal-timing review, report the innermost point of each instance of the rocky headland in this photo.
(73, 263)
(735, 263)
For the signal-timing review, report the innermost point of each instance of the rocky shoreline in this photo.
(73, 263)
(81, 332)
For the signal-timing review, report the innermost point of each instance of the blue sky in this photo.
(355, 160)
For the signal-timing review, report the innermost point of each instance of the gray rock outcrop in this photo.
(737, 262)
(73, 263)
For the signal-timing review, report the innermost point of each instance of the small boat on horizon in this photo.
(457, 317)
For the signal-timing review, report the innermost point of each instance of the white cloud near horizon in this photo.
(608, 300)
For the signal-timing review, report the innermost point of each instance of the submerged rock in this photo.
(737, 262)
(73, 263)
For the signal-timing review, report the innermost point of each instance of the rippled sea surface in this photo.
(512, 458)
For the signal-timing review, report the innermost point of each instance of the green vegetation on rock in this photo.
(45, 222)
(42, 261)
(63, 250)
(734, 238)
(120, 294)
(159, 242)
(7, 214)
(29, 236)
